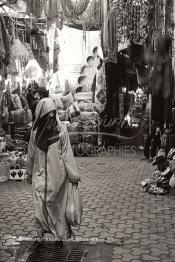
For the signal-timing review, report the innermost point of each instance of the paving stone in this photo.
(150, 258)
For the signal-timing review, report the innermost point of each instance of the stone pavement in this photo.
(139, 226)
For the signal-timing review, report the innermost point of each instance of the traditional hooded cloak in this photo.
(51, 171)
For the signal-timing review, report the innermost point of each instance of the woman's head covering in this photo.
(46, 123)
(44, 106)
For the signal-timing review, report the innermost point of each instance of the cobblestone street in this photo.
(139, 226)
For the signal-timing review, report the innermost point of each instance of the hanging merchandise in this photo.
(74, 8)
(4, 43)
(19, 52)
(104, 31)
(29, 50)
(112, 40)
(51, 8)
(131, 20)
(86, 17)
(35, 7)
(37, 42)
(159, 17)
(33, 71)
(39, 48)
(56, 52)
(92, 17)
(161, 91)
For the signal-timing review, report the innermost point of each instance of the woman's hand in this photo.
(75, 183)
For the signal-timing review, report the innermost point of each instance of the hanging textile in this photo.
(56, 52)
(112, 40)
(161, 90)
(35, 7)
(131, 20)
(89, 19)
(51, 9)
(19, 52)
(74, 9)
(4, 43)
(159, 17)
(104, 30)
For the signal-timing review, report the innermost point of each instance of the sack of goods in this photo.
(84, 96)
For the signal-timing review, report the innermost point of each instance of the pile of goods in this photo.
(81, 116)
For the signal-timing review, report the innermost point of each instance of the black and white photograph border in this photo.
(87, 130)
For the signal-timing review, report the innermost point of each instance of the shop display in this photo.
(17, 166)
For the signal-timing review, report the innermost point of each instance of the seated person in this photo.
(159, 182)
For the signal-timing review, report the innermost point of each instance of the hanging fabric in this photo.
(74, 9)
(4, 43)
(51, 9)
(56, 52)
(104, 31)
(19, 52)
(35, 7)
(161, 91)
(112, 40)
(89, 19)
(131, 20)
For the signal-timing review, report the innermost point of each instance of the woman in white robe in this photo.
(51, 166)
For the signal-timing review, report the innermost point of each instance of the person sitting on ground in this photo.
(159, 182)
